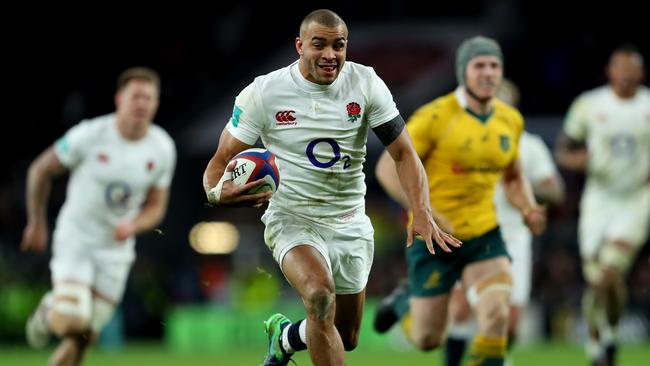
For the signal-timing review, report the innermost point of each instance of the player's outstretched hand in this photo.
(233, 195)
(425, 227)
(35, 238)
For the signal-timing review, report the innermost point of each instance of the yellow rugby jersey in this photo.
(465, 158)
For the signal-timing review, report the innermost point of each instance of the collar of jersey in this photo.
(460, 97)
(307, 85)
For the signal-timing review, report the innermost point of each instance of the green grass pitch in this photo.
(158, 355)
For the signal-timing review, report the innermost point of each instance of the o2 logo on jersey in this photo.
(336, 149)
(623, 146)
(117, 195)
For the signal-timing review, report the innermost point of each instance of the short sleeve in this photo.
(169, 149)
(381, 107)
(247, 120)
(575, 124)
(72, 147)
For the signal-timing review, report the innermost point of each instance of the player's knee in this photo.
(603, 277)
(490, 296)
(68, 325)
(609, 279)
(319, 302)
(496, 317)
(71, 310)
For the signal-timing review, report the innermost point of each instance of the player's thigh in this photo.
(488, 284)
(351, 250)
(593, 223)
(300, 251)
(477, 272)
(630, 229)
(308, 271)
(612, 232)
(519, 245)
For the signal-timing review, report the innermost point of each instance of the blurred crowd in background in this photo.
(65, 69)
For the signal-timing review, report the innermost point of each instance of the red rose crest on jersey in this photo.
(354, 112)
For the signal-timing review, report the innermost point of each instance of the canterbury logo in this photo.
(285, 116)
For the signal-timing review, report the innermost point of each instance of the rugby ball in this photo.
(254, 164)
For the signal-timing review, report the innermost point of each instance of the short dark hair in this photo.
(138, 73)
(323, 17)
(627, 49)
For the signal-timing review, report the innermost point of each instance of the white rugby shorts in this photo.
(347, 248)
(605, 218)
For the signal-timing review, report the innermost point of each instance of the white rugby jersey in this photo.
(109, 177)
(617, 134)
(537, 164)
(318, 134)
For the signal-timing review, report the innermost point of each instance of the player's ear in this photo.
(299, 46)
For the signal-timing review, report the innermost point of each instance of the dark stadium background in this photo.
(61, 65)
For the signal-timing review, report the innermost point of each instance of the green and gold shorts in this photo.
(431, 275)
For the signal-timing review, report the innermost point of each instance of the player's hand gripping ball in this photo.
(254, 164)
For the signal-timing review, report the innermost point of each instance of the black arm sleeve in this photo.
(388, 132)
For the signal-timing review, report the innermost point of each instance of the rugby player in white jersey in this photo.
(315, 115)
(121, 166)
(607, 135)
(548, 186)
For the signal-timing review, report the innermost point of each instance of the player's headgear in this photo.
(473, 47)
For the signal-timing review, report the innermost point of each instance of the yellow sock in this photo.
(488, 351)
(406, 324)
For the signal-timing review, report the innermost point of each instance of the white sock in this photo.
(285, 340)
(303, 331)
(594, 349)
(464, 330)
(285, 336)
(608, 335)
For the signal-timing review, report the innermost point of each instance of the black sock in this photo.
(293, 334)
(454, 350)
(610, 353)
(511, 342)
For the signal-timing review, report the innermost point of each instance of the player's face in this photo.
(137, 103)
(322, 52)
(625, 73)
(483, 76)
